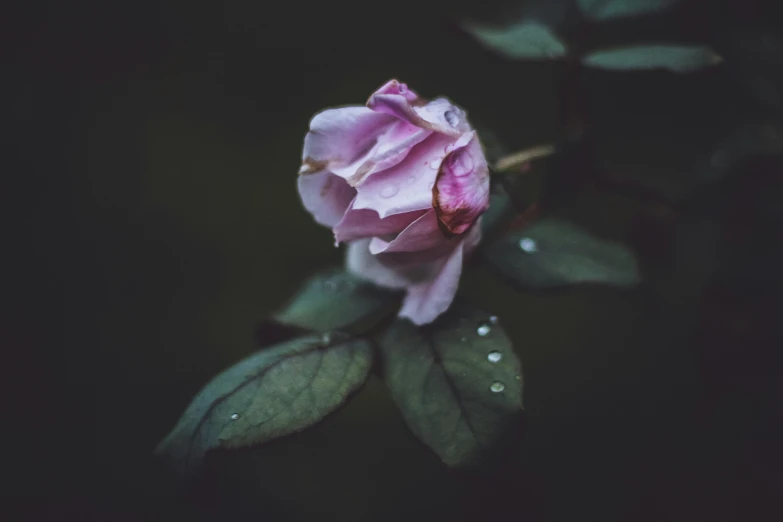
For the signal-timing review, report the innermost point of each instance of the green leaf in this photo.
(457, 382)
(278, 391)
(500, 210)
(552, 253)
(337, 300)
(607, 9)
(676, 58)
(523, 40)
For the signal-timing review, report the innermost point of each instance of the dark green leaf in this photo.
(457, 382)
(278, 391)
(526, 39)
(553, 253)
(608, 9)
(676, 58)
(500, 211)
(336, 300)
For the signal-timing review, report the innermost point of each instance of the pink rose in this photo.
(404, 182)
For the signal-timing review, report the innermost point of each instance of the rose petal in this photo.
(390, 149)
(440, 115)
(325, 196)
(444, 116)
(341, 137)
(363, 264)
(365, 223)
(426, 301)
(395, 87)
(461, 193)
(408, 185)
(421, 234)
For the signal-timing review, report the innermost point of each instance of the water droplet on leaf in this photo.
(494, 319)
(528, 245)
(326, 338)
(483, 329)
(234, 416)
(390, 190)
(494, 357)
(497, 387)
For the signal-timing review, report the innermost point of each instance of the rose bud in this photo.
(403, 182)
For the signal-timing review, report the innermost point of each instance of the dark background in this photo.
(153, 220)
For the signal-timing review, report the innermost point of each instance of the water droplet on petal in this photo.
(494, 357)
(431, 184)
(234, 416)
(452, 118)
(483, 329)
(528, 245)
(461, 163)
(403, 88)
(390, 190)
(411, 180)
(435, 164)
(494, 319)
(497, 387)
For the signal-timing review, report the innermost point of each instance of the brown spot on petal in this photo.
(451, 219)
(311, 166)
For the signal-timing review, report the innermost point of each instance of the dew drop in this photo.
(435, 164)
(494, 357)
(494, 319)
(452, 118)
(234, 416)
(528, 245)
(390, 190)
(497, 387)
(411, 180)
(483, 329)
(461, 163)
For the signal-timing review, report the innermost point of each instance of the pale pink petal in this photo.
(341, 137)
(395, 87)
(325, 196)
(444, 117)
(408, 185)
(363, 264)
(427, 300)
(461, 193)
(390, 149)
(364, 223)
(440, 115)
(422, 234)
